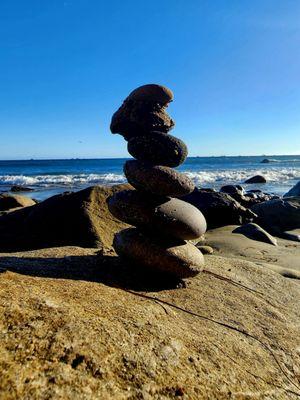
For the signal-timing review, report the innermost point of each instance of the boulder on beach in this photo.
(295, 191)
(78, 219)
(279, 215)
(232, 332)
(255, 232)
(256, 179)
(10, 201)
(219, 209)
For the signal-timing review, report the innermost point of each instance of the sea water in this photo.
(49, 177)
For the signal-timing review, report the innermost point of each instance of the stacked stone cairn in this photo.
(163, 223)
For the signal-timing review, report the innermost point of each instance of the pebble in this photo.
(178, 258)
(205, 249)
(161, 215)
(157, 179)
(158, 148)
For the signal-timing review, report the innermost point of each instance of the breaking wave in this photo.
(275, 175)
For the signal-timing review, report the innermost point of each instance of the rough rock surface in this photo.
(77, 327)
(157, 179)
(295, 191)
(279, 215)
(160, 215)
(158, 149)
(10, 201)
(143, 111)
(174, 257)
(256, 232)
(80, 218)
(219, 209)
(256, 179)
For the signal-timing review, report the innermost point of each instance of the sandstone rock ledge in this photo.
(67, 331)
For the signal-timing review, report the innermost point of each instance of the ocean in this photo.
(49, 177)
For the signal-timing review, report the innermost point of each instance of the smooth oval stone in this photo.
(176, 257)
(157, 179)
(158, 148)
(152, 93)
(161, 215)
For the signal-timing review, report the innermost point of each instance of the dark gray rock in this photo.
(219, 209)
(157, 179)
(158, 149)
(279, 215)
(256, 232)
(256, 179)
(295, 191)
(266, 161)
(161, 215)
(233, 189)
(18, 188)
(175, 257)
(143, 111)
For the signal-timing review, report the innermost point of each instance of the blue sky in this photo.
(66, 66)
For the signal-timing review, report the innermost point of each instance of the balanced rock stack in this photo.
(164, 223)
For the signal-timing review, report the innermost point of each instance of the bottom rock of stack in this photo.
(172, 256)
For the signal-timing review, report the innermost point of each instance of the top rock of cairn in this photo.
(143, 111)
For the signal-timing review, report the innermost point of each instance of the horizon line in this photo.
(122, 158)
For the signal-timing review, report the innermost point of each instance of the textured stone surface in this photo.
(161, 215)
(80, 218)
(159, 149)
(175, 257)
(70, 331)
(152, 93)
(9, 201)
(256, 232)
(143, 111)
(157, 179)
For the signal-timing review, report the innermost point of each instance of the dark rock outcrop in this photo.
(279, 215)
(294, 191)
(76, 219)
(219, 209)
(256, 179)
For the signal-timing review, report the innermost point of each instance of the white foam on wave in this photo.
(239, 176)
(61, 180)
(275, 175)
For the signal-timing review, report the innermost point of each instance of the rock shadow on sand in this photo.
(109, 270)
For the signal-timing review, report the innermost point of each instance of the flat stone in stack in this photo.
(163, 223)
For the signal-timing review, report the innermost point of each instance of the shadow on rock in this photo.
(107, 269)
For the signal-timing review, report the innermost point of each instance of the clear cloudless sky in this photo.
(66, 66)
